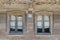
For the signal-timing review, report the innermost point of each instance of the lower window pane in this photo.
(39, 30)
(46, 24)
(47, 30)
(20, 30)
(12, 30)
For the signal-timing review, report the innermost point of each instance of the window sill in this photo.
(16, 35)
(43, 35)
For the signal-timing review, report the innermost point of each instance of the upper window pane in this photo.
(12, 23)
(46, 24)
(46, 18)
(46, 21)
(19, 18)
(19, 23)
(39, 18)
(12, 17)
(29, 15)
(39, 24)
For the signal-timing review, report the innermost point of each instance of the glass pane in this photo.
(19, 23)
(46, 24)
(13, 27)
(19, 27)
(46, 18)
(39, 30)
(12, 23)
(39, 18)
(29, 15)
(12, 17)
(39, 24)
(20, 30)
(19, 18)
(47, 30)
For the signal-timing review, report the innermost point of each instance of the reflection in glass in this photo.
(46, 24)
(12, 23)
(39, 24)
(19, 23)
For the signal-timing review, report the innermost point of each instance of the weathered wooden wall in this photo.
(52, 6)
(29, 35)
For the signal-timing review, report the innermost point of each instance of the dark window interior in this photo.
(39, 30)
(47, 30)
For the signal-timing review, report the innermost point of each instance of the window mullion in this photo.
(16, 24)
(42, 23)
(49, 23)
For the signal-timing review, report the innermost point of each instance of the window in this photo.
(16, 24)
(39, 24)
(29, 15)
(42, 24)
(46, 24)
